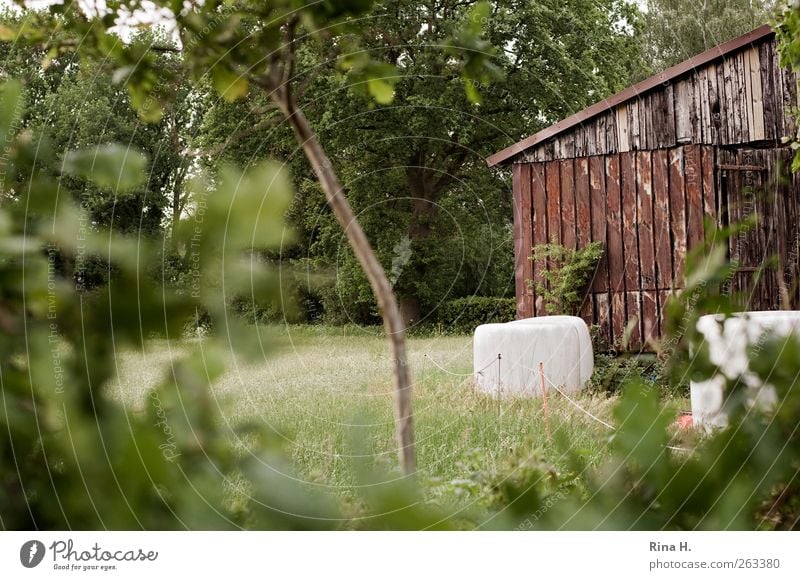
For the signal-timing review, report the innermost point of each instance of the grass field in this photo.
(327, 393)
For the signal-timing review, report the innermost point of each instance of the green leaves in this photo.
(368, 77)
(787, 31)
(112, 166)
(566, 273)
(11, 101)
(475, 52)
(245, 211)
(228, 83)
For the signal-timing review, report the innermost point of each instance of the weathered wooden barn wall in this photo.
(744, 98)
(646, 207)
(641, 175)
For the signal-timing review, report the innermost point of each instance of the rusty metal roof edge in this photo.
(669, 74)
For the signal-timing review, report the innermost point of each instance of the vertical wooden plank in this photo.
(644, 222)
(553, 181)
(539, 202)
(611, 131)
(630, 245)
(683, 124)
(726, 116)
(627, 163)
(789, 84)
(644, 188)
(599, 214)
(745, 112)
(582, 202)
(792, 272)
(670, 129)
(591, 137)
(694, 108)
(749, 97)
(558, 147)
(622, 128)
(677, 210)
(657, 128)
(663, 296)
(584, 224)
(777, 76)
(521, 176)
(633, 123)
(599, 218)
(661, 219)
(634, 319)
(694, 195)
(549, 149)
(568, 141)
(568, 221)
(650, 326)
(645, 121)
(731, 112)
(618, 317)
(705, 106)
(602, 140)
(580, 140)
(767, 90)
(707, 179)
(602, 316)
(616, 259)
(714, 103)
(615, 255)
(757, 97)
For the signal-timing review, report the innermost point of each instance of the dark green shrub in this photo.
(613, 371)
(566, 274)
(464, 314)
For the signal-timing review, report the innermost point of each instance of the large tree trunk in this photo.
(381, 287)
(410, 310)
(424, 195)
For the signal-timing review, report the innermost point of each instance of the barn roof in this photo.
(718, 52)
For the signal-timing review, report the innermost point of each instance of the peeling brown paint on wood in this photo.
(568, 217)
(704, 146)
(522, 212)
(644, 219)
(616, 258)
(661, 220)
(630, 242)
(677, 213)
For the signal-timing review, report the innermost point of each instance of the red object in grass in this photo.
(685, 421)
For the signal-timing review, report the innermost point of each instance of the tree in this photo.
(414, 169)
(676, 30)
(250, 44)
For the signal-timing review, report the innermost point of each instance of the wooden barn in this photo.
(638, 171)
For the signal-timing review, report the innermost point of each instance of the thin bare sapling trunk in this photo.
(279, 87)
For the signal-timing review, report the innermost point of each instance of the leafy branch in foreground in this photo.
(250, 45)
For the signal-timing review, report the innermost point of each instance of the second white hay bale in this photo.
(728, 342)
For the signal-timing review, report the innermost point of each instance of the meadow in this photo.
(326, 392)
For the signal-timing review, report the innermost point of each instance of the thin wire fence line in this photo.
(441, 368)
(552, 384)
(576, 405)
(604, 423)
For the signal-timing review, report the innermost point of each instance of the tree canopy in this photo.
(679, 29)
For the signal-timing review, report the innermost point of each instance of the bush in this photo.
(464, 314)
(612, 372)
(566, 274)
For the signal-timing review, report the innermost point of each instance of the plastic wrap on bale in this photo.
(506, 356)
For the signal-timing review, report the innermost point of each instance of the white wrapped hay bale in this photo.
(728, 344)
(562, 343)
